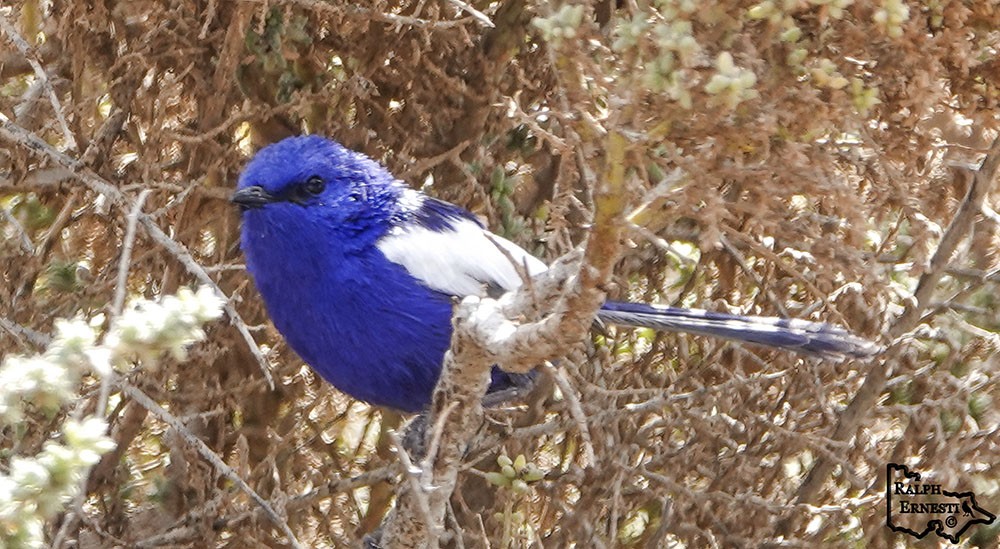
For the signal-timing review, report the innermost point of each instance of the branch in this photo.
(225, 470)
(478, 15)
(15, 134)
(489, 332)
(25, 50)
(126, 256)
(352, 10)
(184, 528)
(877, 375)
(25, 240)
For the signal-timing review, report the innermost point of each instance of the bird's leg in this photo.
(522, 385)
(415, 437)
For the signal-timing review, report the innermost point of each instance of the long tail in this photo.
(783, 333)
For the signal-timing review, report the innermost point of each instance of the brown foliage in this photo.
(801, 200)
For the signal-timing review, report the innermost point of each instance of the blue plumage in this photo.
(358, 272)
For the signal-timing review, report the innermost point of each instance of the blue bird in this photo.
(359, 273)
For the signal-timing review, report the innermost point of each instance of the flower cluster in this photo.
(147, 328)
(731, 84)
(35, 488)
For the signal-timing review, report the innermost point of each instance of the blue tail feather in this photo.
(802, 336)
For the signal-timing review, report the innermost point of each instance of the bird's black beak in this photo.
(251, 197)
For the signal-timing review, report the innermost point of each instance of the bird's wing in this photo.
(459, 257)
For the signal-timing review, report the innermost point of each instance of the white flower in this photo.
(36, 488)
(31, 479)
(42, 382)
(88, 438)
(146, 328)
(72, 337)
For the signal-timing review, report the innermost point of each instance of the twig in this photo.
(644, 213)
(209, 455)
(478, 15)
(415, 476)
(425, 164)
(728, 246)
(181, 254)
(877, 374)
(991, 214)
(126, 257)
(515, 111)
(952, 302)
(16, 134)
(175, 201)
(768, 254)
(653, 405)
(209, 17)
(62, 219)
(575, 411)
(375, 15)
(337, 486)
(25, 49)
(459, 542)
(662, 244)
(435, 442)
(26, 245)
(38, 339)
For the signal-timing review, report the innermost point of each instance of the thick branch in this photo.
(488, 332)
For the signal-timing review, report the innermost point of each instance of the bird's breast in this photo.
(359, 320)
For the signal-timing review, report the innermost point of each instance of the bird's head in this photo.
(312, 182)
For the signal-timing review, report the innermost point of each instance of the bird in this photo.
(360, 273)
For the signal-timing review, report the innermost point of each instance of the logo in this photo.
(919, 508)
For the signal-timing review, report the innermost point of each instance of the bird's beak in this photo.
(251, 197)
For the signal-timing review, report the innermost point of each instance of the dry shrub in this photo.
(803, 197)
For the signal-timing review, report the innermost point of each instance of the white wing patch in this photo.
(461, 261)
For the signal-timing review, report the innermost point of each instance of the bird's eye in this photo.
(314, 185)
